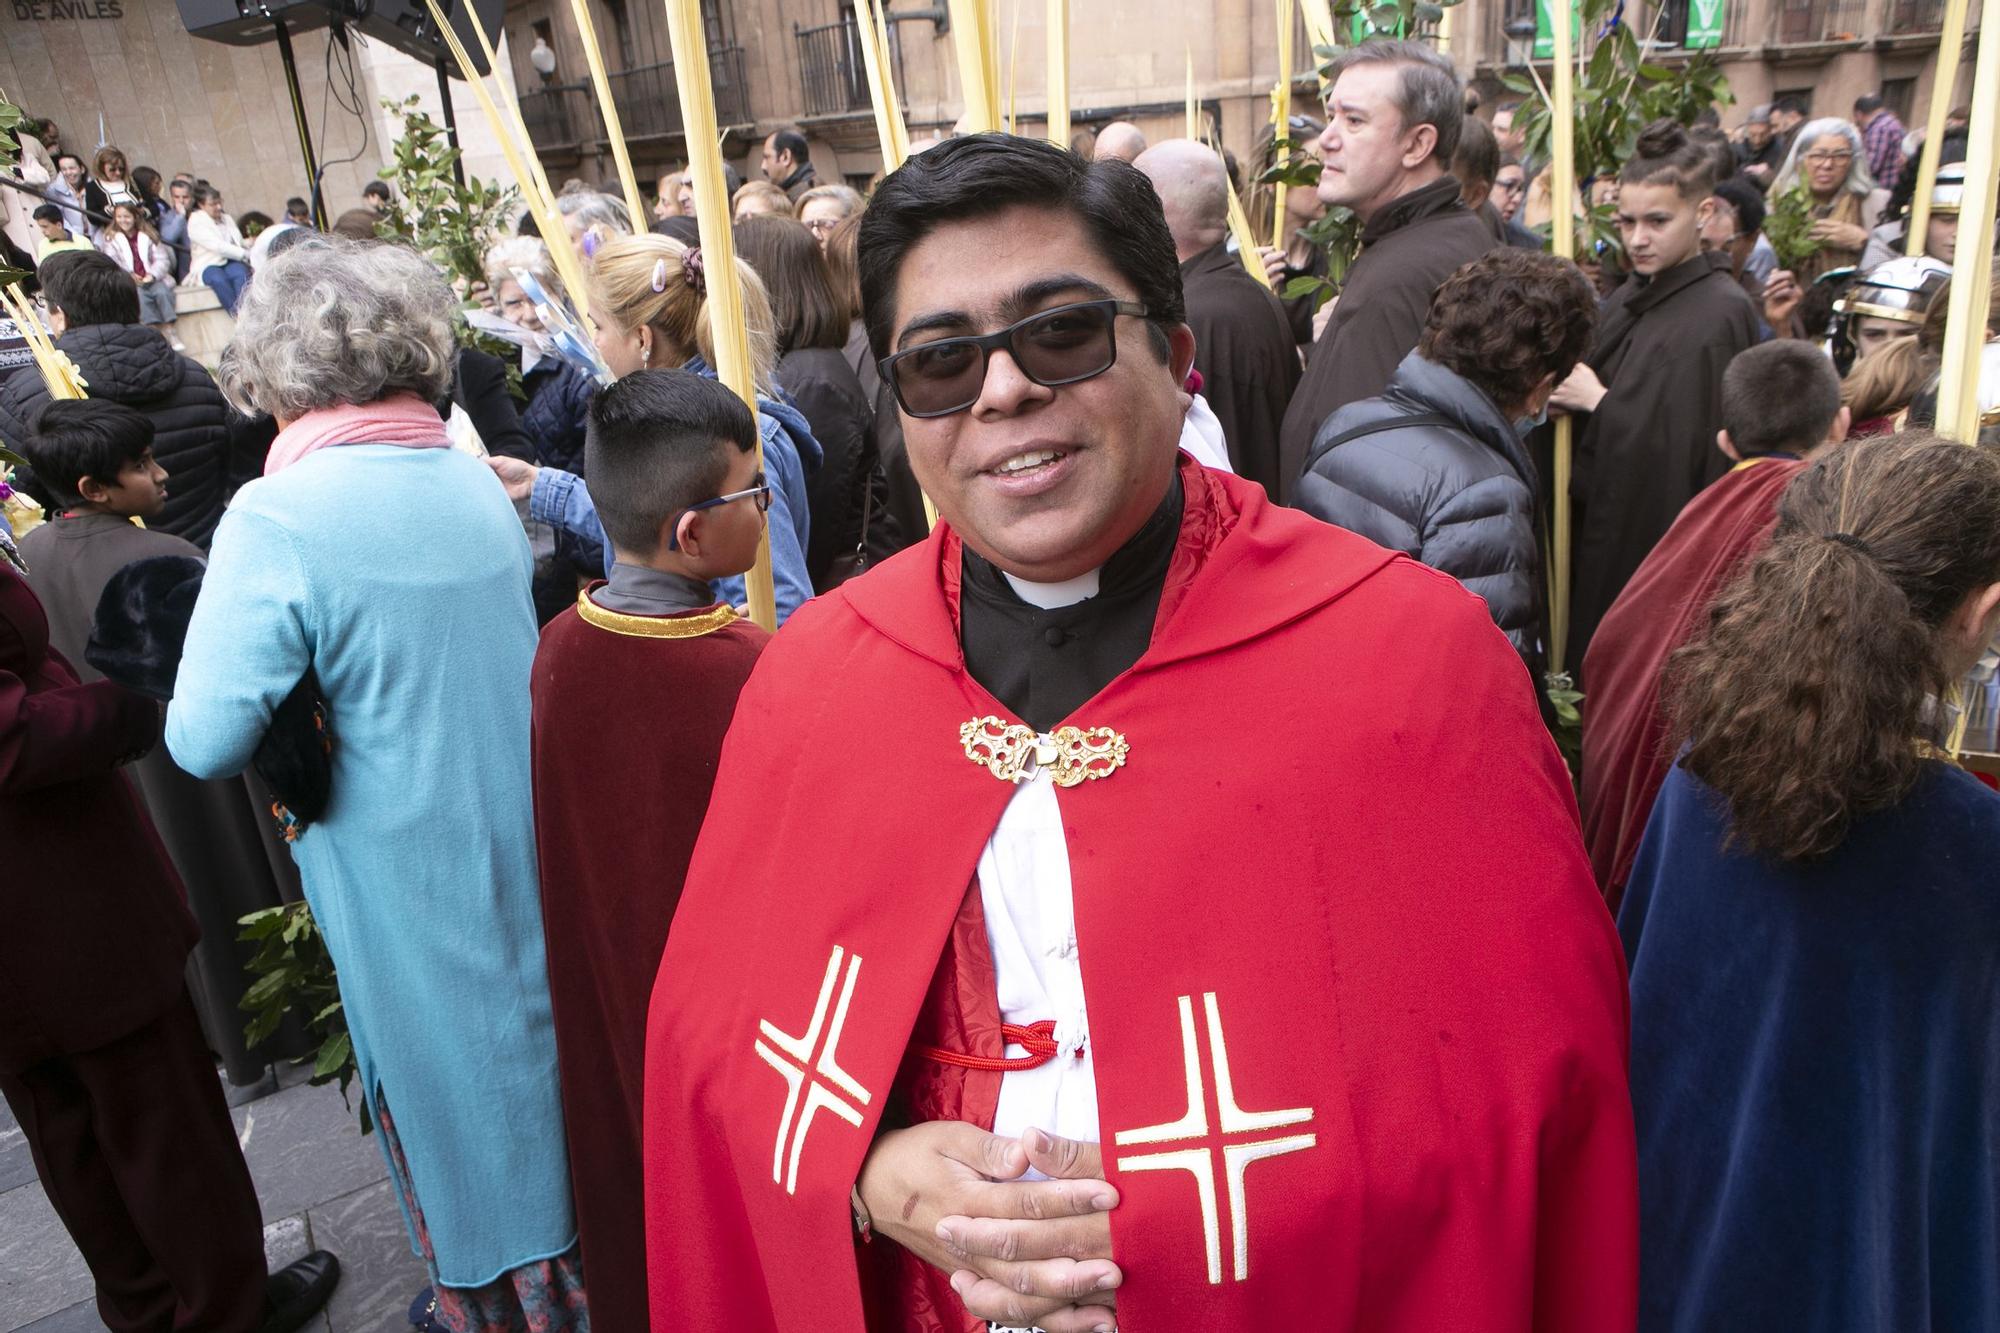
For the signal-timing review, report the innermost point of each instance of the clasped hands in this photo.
(1020, 1252)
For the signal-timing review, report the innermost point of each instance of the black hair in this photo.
(1478, 156)
(1747, 200)
(978, 175)
(1793, 103)
(1869, 102)
(285, 239)
(1780, 396)
(1666, 154)
(66, 153)
(789, 140)
(74, 438)
(379, 189)
(49, 213)
(653, 445)
(89, 288)
(295, 205)
(1721, 152)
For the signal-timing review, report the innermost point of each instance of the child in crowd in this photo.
(56, 237)
(633, 689)
(1811, 923)
(96, 458)
(1780, 403)
(102, 1056)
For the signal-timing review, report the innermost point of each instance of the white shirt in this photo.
(1024, 886)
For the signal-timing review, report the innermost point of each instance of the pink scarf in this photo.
(401, 418)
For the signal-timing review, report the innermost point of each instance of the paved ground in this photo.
(323, 1186)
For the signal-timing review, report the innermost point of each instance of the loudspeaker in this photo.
(403, 25)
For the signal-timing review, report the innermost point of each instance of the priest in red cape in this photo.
(1780, 402)
(1138, 904)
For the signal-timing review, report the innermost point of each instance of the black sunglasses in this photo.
(1066, 345)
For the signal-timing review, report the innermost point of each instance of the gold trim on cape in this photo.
(654, 627)
(1012, 752)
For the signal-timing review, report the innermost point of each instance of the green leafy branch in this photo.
(1618, 92)
(295, 975)
(1788, 225)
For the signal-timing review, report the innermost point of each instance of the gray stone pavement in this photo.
(322, 1184)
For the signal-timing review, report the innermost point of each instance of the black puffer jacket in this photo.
(134, 365)
(1460, 497)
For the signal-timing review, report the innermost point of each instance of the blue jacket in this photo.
(562, 499)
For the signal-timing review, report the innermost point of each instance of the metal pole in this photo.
(450, 120)
(299, 119)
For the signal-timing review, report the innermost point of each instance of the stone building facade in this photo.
(126, 72)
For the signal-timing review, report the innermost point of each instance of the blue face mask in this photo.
(1525, 426)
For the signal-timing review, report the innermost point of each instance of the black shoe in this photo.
(295, 1292)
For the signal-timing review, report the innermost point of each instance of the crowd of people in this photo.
(427, 608)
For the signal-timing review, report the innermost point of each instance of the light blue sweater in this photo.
(401, 576)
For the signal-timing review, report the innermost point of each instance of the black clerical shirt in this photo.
(1044, 664)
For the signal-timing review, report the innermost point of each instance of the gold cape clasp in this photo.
(1014, 753)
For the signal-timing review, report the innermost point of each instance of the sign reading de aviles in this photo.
(29, 10)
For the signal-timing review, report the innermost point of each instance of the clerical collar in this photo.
(1045, 649)
(1051, 596)
(638, 590)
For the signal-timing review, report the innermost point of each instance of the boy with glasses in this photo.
(633, 689)
(1103, 903)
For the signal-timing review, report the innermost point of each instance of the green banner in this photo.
(1545, 32)
(1705, 19)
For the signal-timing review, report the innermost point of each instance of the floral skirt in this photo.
(543, 1297)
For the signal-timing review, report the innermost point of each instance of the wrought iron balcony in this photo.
(649, 101)
(833, 70)
(559, 116)
(1910, 16)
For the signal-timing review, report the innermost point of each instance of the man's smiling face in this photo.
(1045, 482)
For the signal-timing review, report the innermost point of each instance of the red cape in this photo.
(1625, 755)
(630, 713)
(1341, 839)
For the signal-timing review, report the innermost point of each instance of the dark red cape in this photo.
(1625, 755)
(1342, 838)
(627, 732)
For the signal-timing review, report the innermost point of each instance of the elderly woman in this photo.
(824, 207)
(393, 569)
(593, 219)
(1828, 161)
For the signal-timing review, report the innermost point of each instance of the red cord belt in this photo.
(1039, 1039)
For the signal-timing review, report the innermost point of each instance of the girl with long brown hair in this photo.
(811, 324)
(1812, 925)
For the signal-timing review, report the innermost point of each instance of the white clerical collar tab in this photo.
(1051, 596)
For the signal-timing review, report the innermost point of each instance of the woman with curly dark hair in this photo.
(1812, 925)
(1436, 467)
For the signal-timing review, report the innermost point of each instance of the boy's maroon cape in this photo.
(1341, 841)
(1625, 756)
(629, 717)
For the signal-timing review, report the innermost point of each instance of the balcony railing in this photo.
(833, 69)
(649, 101)
(1906, 16)
(1808, 21)
(559, 116)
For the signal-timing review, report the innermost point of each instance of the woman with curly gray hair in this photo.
(392, 570)
(1828, 163)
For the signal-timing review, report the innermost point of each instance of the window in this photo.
(1900, 96)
